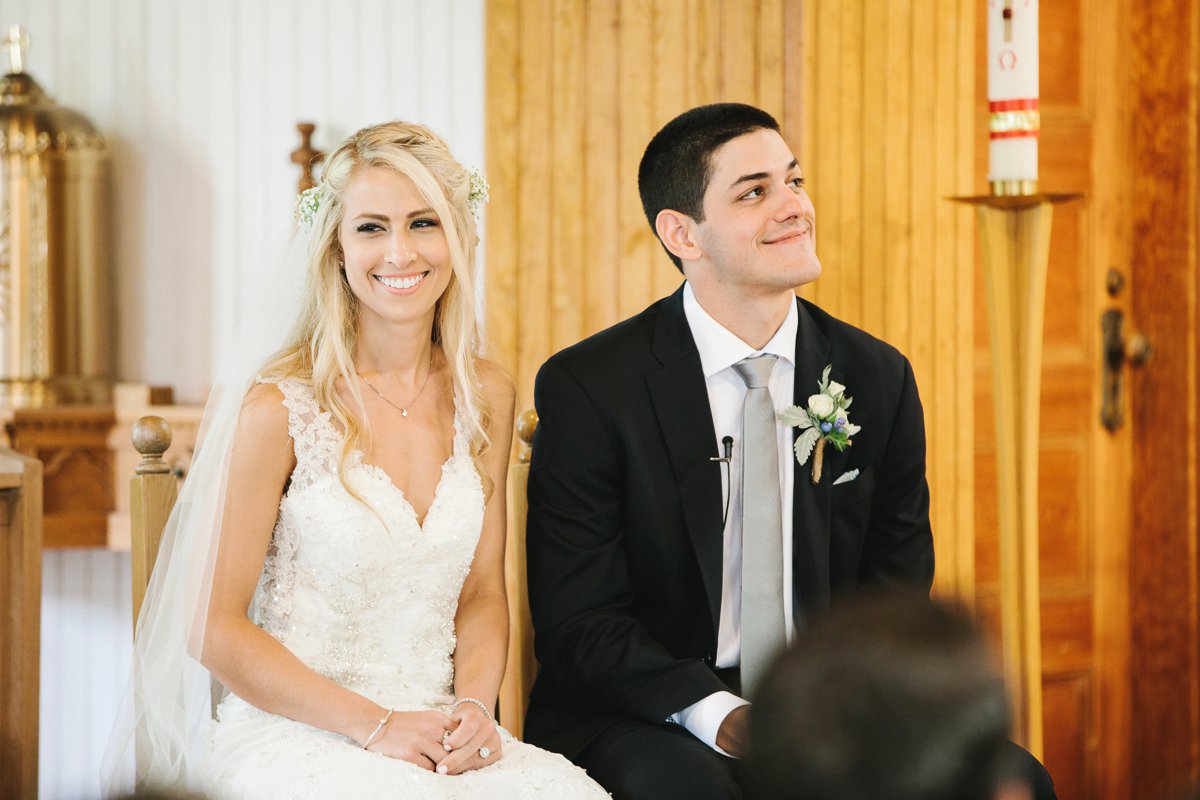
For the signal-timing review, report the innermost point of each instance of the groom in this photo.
(675, 543)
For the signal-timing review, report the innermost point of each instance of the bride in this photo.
(336, 559)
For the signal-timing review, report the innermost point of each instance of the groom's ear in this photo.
(677, 232)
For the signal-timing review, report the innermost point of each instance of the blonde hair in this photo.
(321, 346)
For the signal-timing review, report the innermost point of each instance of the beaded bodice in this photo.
(364, 593)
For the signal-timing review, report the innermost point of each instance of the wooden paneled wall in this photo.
(575, 90)
(876, 99)
(1164, 550)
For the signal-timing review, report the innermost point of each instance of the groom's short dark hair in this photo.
(677, 164)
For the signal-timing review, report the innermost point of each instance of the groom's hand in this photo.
(731, 736)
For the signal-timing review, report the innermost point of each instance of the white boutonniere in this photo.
(824, 419)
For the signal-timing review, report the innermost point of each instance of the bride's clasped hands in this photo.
(464, 739)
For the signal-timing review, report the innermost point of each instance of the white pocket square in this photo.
(846, 477)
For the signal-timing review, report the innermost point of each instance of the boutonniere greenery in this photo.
(824, 419)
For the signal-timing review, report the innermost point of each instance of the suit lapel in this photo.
(687, 429)
(810, 504)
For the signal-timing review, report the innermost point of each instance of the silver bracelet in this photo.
(378, 728)
(454, 707)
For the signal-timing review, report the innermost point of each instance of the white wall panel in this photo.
(199, 100)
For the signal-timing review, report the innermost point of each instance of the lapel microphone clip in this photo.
(727, 444)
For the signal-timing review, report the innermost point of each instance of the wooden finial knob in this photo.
(526, 425)
(151, 438)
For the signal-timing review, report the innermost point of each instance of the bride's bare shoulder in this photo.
(264, 416)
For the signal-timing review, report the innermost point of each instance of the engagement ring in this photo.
(484, 753)
(445, 744)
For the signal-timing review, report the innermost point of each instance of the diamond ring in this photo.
(445, 744)
(484, 752)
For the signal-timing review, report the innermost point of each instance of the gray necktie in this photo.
(763, 633)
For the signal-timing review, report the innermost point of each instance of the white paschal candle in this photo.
(1014, 120)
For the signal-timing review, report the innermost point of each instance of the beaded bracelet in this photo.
(454, 707)
(378, 728)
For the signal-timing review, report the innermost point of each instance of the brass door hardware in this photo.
(1119, 349)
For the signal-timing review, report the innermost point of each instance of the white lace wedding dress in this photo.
(373, 609)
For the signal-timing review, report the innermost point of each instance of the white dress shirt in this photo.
(719, 351)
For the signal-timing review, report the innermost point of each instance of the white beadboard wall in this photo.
(199, 100)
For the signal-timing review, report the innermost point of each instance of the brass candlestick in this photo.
(1014, 233)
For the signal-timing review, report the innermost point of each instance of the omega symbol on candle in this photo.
(1008, 60)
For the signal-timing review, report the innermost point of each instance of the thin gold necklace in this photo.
(403, 409)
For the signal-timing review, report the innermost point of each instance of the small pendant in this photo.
(404, 412)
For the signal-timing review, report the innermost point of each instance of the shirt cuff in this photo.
(703, 719)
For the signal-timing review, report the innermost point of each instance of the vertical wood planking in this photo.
(503, 111)
(899, 175)
(962, 459)
(534, 221)
(566, 248)
(670, 56)
(635, 78)
(601, 258)
(827, 188)
(738, 52)
(703, 21)
(850, 265)
(886, 107)
(805, 113)
(639, 63)
(942, 321)
(770, 68)
(872, 286)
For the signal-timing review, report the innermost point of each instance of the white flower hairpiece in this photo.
(307, 204)
(479, 195)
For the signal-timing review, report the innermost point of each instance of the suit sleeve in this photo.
(580, 592)
(898, 551)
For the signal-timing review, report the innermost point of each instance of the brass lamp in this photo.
(56, 276)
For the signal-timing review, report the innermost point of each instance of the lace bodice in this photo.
(364, 594)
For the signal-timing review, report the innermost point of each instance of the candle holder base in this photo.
(1018, 201)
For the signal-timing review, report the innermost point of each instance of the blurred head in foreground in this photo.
(891, 697)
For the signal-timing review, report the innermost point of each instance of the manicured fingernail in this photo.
(443, 769)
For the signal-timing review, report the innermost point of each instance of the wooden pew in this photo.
(20, 621)
(521, 666)
(152, 493)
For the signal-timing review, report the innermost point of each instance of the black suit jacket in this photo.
(625, 539)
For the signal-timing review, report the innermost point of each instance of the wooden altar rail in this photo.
(153, 492)
(20, 621)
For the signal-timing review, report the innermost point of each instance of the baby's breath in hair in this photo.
(478, 196)
(307, 204)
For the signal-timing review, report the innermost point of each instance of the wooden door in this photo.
(1117, 519)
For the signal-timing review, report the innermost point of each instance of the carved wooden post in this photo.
(152, 493)
(20, 620)
(306, 156)
(522, 665)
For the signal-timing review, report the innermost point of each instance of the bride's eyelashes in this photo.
(421, 222)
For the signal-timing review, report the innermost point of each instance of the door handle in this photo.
(1119, 350)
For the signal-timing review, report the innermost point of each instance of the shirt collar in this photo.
(720, 348)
